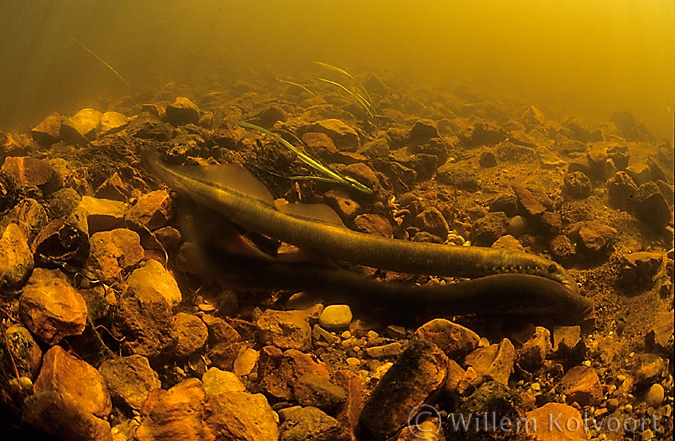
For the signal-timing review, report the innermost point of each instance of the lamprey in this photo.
(257, 213)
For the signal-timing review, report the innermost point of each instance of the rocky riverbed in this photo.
(114, 330)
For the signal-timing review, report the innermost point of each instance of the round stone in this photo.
(655, 395)
(336, 317)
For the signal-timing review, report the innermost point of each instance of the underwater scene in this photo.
(337, 221)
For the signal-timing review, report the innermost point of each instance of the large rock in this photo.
(28, 171)
(152, 276)
(114, 251)
(343, 136)
(285, 329)
(51, 308)
(151, 211)
(24, 354)
(102, 214)
(494, 362)
(556, 422)
(241, 416)
(651, 206)
(47, 132)
(16, 258)
(454, 340)
(181, 112)
(191, 334)
(130, 379)
(278, 371)
(581, 385)
(63, 373)
(310, 423)
(112, 122)
(81, 128)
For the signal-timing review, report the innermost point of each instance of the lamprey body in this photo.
(336, 241)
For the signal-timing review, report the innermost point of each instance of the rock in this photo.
(494, 362)
(485, 133)
(389, 350)
(31, 217)
(593, 237)
(63, 202)
(416, 375)
(458, 175)
(621, 191)
(651, 206)
(310, 423)
(152, 276)
(149, 126)
(362, 173)
(581, 385)
(518, 225)
(28, 171)
(269, 116)
(22, 352)
(343, 136)
(556, 422)
(279, 371)
(146, 323)
(191, 333)
(182, 112)
(577, 185)
(529, 203)
(285, 329)
(350, 411)
(562, 248)
(655, 395)
(487, 160)
(432, 220)
(640, 268)
(180, 411)
(454, 340)
(533, 352)
(245, 362)
(336, 317)
(112, 122)
(661, 333)
(129, 380)
(319, 145)
(315, 390)
(16, 258)
(61, 415)
(548, 159)
(649, 368)
(639, 173)
(114, 251)
(374, 224)
(114, 188)
(507, 204)
(508, 242)
(61, 241)
(422, 131)
(81, 128)
(216, 381)
(102, 214)
(241, 416)
(567, 341)
(151, 211)
(51, 309)
(489, 228)
(47, 132)
(533, 116)
(65, 374)
(340, 201)
(510, 152)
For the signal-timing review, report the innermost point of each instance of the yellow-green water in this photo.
(585, 58)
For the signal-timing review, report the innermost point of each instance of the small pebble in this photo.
(535, 386)
(655, 395)
(336, 317)
(351, 361)
(628, 408)
(612, 404)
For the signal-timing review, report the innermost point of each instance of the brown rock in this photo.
(649, 368)
(152, 276)
(181, 112)
(556, 422)
(130, 379)
(310, 423)
(651, 206)
(528, 201)
(432, 220)
(81, 128)
(114, 251)
(63, 416)
(179, 412)
(63, 373)
(362, 173)
(454, 340)
(494, 362)
(621, 191)
(343, 136)
(31, 217)
(416, 375)
(315, 390)
(24, 351)
(47, 131)
(485, 133)
(102, 214)
(112, 122)
(151, 211)
(390, 350)
(459, 176)
(581, 385)
(191, 333)
(61, 241)
(486, 230)
(567, 340)
(423, 130)
(455, 376)
(562, 248)
(114, 188)
(640, 268)
(577, 185)
(279, 371)
(340, 201)
(593, 236)
(661, 332)
(28, 171)
(216, 381)
(510, 152)
(639, 173)
(533, 352)
(374, 224)
(16, 258)
(349, 413)
(319, 145)
(285, 329)
(51, 308)
(241, 416)
(220, 330)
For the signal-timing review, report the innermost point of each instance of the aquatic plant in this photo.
(300, 86)
(328, 174)
(356, 90)
(117, 74)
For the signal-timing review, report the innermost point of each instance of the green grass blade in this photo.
(353, 94)
(351, 77)
(305, 88)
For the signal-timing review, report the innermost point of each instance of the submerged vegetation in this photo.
(355, 89)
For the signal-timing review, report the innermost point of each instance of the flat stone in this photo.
(510, 152)
(581, 385)
(130, 379)
(241, 416)
(486, 133)
(374, 224)
(47, 132)
(548, 159)
(343, 136)
(216, 381)
(660, 334)
(530, 204)
(114, 188)
(278, 371)
(28, 171)
(319, 145)
(454, 340)
(102, 214)
(494, 362)
(51, 309)
(458, 175)
(593, 236)
(246, 361)
(336, 317)
(24, 350)
(557, 422)
(533, 352)
(151, 211)
(114, 251)
(182, 112)
(66, 374)
(191, 333)
(285, 329)
(62, 415)
(81, 128)
(390, 350)
(112, 122)
(432, 220)
(152, 276)
(310, 423)
(315, 390)
(179, 411)
(16, 258)
(418, 373)
(149, 126)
